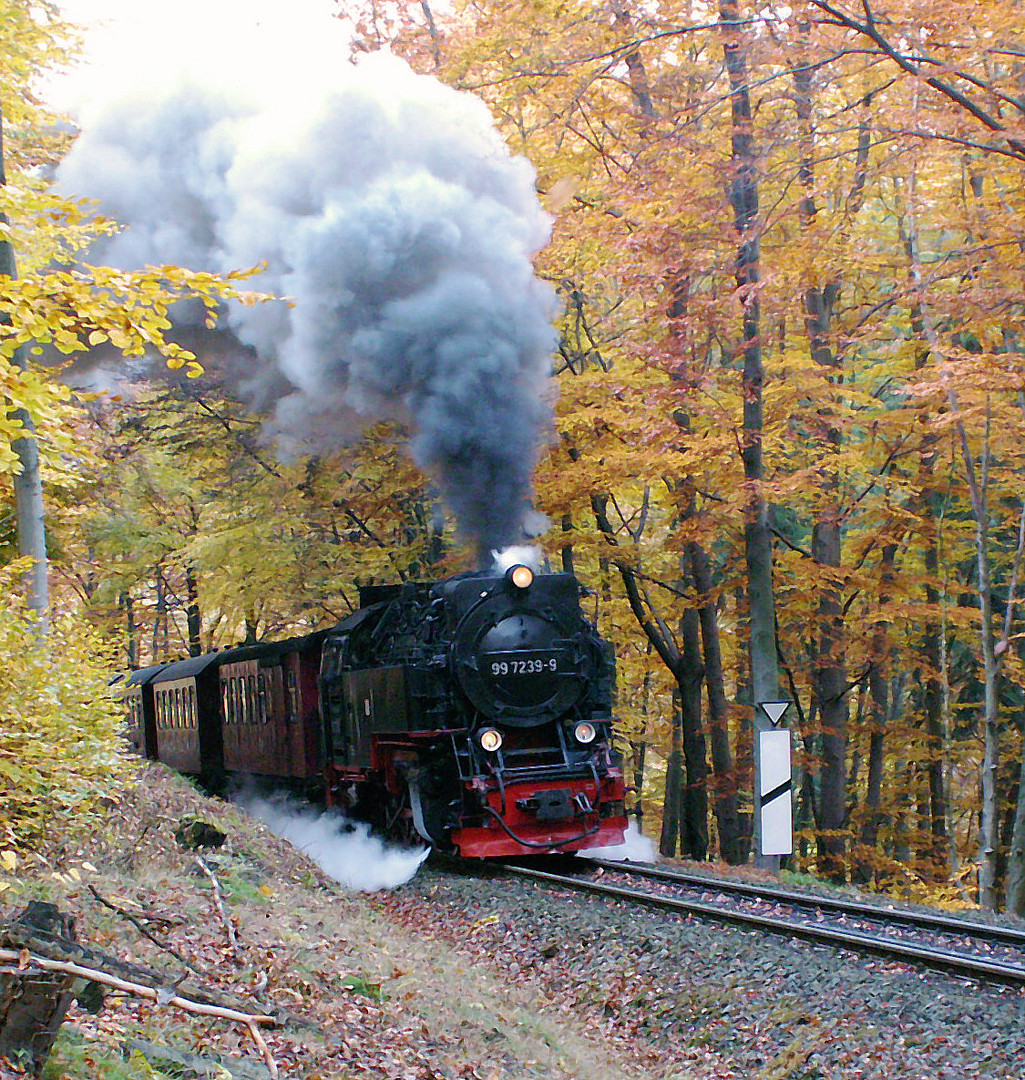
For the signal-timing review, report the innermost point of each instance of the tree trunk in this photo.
(933, 701)
(1014, 883)
(160, 620)
(33, 1006)
(674, 783)
(567, 548)
(733, 846)
(28, 484)
(131, 631)
(743, 194)
(694, 801)
(829, 681)
(901, 850)
(1014, 889)
(977, 478)
(829, 677)
(193, 617)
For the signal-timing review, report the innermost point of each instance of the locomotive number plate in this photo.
(512, 664)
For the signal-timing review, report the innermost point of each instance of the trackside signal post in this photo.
(775, 810)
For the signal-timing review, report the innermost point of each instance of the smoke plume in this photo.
(390, 212)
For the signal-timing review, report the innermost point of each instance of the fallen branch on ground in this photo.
(24, 963)
(137, 923)
(226, 922)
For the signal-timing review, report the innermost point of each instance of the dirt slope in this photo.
(365, 995)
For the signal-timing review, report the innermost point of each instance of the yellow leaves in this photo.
(73, 875)
(68, 311)
(65, 756)
(9, 861)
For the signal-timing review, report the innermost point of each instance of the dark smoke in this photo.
(392, 214)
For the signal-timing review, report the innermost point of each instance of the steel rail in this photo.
(922, 956)
(1006, 935)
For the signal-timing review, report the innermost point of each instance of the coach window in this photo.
(229, 702)
(236, 684)
(293, 696)
(261, 683)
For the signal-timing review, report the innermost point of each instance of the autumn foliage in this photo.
(62, 754)
(882, 167)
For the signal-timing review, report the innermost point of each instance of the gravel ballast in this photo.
(697, 997)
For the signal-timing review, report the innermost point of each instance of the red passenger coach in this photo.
(270, 710)
(136, 692)
(188, 729)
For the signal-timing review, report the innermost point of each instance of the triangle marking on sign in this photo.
(774, 710)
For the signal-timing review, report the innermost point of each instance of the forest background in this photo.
(788, 241)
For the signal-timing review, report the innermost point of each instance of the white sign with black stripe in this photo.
(774, 802)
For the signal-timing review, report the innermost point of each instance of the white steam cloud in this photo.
(525, 554)
(344, 850)
(634, 848)
(389, 210)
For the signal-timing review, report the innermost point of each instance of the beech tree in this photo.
(788, 242)
(628, 118)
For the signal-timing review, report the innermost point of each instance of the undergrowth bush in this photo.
(62, 757)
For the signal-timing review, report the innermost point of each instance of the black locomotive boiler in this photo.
(479, 709)
(474, 713)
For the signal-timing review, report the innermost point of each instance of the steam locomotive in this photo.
(473, 713)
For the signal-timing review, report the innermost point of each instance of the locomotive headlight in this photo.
(520, 576)
(490, 739)
(585, 733)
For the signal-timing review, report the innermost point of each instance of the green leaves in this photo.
(61, 751)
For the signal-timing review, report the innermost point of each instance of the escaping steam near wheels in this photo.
(386, 208)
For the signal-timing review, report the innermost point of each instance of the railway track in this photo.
(991, 954)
